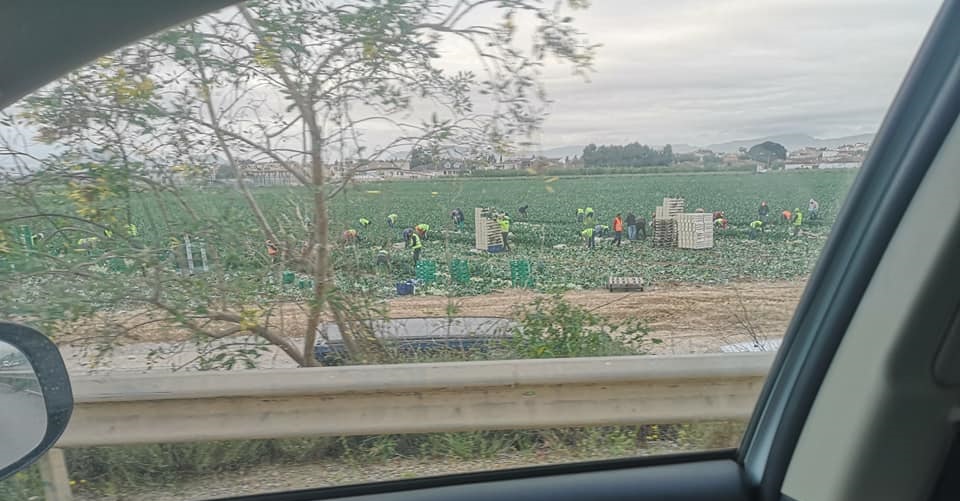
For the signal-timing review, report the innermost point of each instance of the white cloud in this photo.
(706, 71)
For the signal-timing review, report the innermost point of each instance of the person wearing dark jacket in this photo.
(631, 226)
(642, 227)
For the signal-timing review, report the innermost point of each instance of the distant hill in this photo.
(563, 151)
(791, 142)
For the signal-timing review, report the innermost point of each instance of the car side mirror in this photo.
(35, 396)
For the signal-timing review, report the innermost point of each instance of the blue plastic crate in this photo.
(405, 288)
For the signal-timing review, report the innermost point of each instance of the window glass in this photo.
(511, 186)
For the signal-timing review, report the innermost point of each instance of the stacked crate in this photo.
(671, 208)
(426, 271)
(488, 235)
(695, 231)
(664, 232)
(520, 273)
(665, 222)
(460, 271)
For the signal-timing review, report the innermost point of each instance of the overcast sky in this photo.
(705, 71)
(708, 71)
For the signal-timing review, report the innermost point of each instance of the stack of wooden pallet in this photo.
(671, 208)
(695, 231)
(664, 232)
(488, 235)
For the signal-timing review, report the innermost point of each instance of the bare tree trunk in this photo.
(322, 275)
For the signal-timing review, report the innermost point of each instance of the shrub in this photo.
(552, 327)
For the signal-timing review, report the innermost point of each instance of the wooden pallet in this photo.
(664, 232)
(487, 229)
(625, 284)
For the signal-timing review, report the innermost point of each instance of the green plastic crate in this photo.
(520, 275)
(460, 271)
(426, 271)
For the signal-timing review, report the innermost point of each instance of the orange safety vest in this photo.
(617, 224)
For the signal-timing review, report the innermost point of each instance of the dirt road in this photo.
(687, 318)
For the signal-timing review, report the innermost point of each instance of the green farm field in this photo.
(551, 223)
(549, 238)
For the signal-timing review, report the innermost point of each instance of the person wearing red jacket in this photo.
(617, 230)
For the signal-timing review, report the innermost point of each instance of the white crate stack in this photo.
(671, 208)
(488, 234)
(695, 231)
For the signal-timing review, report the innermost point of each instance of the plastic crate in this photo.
(405, 288)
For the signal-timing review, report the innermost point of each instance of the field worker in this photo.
(631, 226)
(763, 212)
(755, 227)
(350, 236)
(579, 215)
(364, 222)
(642, 226)
(272, 250)
(599, 231)
(588, 217)
(422, 230)
(787, 216)
(456, 215)
(721, 221)
(588, 236)
(414, 242)
(88, 243)
(392, 220)
(813, 210)
(717, 214)
(617, 230)
(406, 234)
(797, 221)
(522, 211)
(383, 257)
(504, 222)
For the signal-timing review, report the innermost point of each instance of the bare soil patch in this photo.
(688, 318)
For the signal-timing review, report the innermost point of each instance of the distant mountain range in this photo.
(789, 141)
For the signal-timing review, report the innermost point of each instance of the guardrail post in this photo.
(53, 472)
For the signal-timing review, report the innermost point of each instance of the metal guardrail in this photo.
(410, 398)
(413, 398)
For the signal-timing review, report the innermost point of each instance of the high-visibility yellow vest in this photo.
(416, 241)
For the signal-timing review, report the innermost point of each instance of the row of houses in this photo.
(276, 174)
(848, 156)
